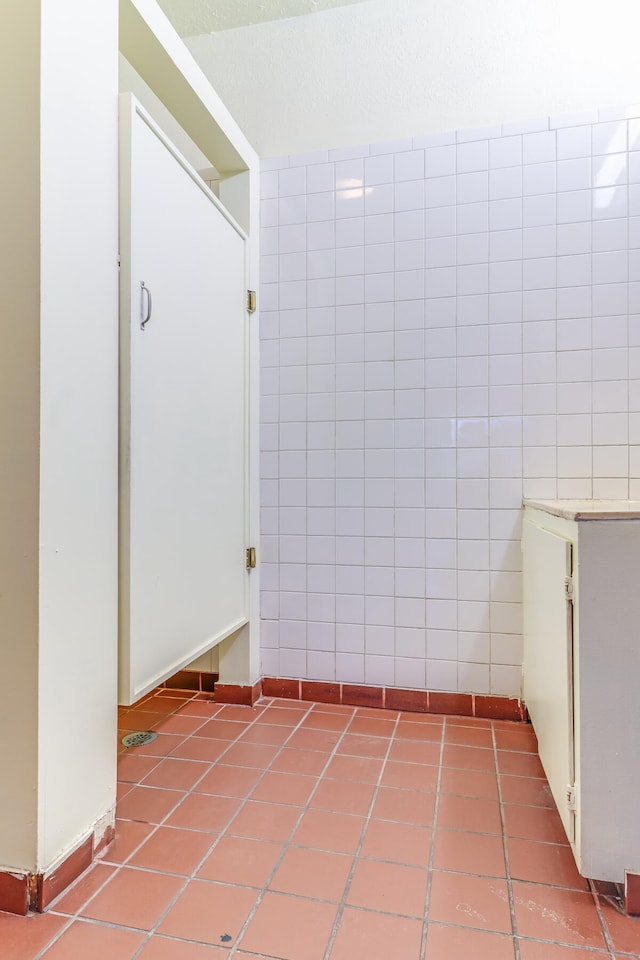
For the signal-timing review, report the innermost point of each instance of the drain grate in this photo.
(138, 738)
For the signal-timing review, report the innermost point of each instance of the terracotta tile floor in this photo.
(302, 831)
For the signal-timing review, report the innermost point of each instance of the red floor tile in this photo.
(182, 724)
(327, 721)
(176, 774)
(250, 755)
(209, 913)
(533, 950)
(312, 873)
(534, 823)
(359, 769)
(171, 850)
(415, 751)
(378, 727)
(375, 936)
(469, 736)
(232, 711)
(23, 938)
(412, 730)
(549, 863)
(200, 811)
(264, 821)
(290, 928)
(162, 746)
(469, 853)
(531, 791)
(462, 943)
(520, 738)
(129, 835)
(73, 899)
(469, 783)
(122, 789)
(248, 863)
(354, 745)
(161, 948)
(469, 813)
(133, 898)
(323, 740)
(201, 708)
(623, 931)
(470, 901)
(307, 762)
(148, 804)
(232, 800)
(227, 781)
(397, 842)
(375, 712)
(289, 716)
(551, 913)
(132, 767)
(201, 748)
(267, 733)
(222, 729)
(343, 797)
(328, 830)
(278, 787)
(389, 887)
(519, 764)
(83, 939)
(468, 758)
(410, 776)
(405, 806)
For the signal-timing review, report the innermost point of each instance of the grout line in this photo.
(356, 855)
(434, 827)
(288, 842)
(222, 833)
(505, 849)
(218, 835)
(603, 924)
(305, 712)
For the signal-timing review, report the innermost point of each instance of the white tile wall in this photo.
(448, 324)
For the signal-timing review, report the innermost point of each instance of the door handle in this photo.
(146, 314)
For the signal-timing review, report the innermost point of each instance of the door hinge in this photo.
(568, 588)
(251, 558)
(571, 798)
(252, 301)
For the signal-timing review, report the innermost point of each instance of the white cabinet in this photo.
(581, 673)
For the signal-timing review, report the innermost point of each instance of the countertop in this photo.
(588, 509)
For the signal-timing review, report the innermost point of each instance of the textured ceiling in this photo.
(194, 17)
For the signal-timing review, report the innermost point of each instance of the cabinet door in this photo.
(548, 659)
(183, 413)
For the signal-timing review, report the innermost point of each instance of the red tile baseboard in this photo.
(289, 689)
(235, 693)
(15, 893)
(197, 680)
(632, 893)
(24, 892)
(394, 698)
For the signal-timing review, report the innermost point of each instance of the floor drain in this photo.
(137, 739)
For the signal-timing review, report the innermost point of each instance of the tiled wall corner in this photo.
(447, 325)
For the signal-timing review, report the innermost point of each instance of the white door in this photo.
(183, 448)
(548, 659)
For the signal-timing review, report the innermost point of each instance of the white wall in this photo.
(383, 70)
(19, 427)
(59, 428)
(78, 425)
(449, 323)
